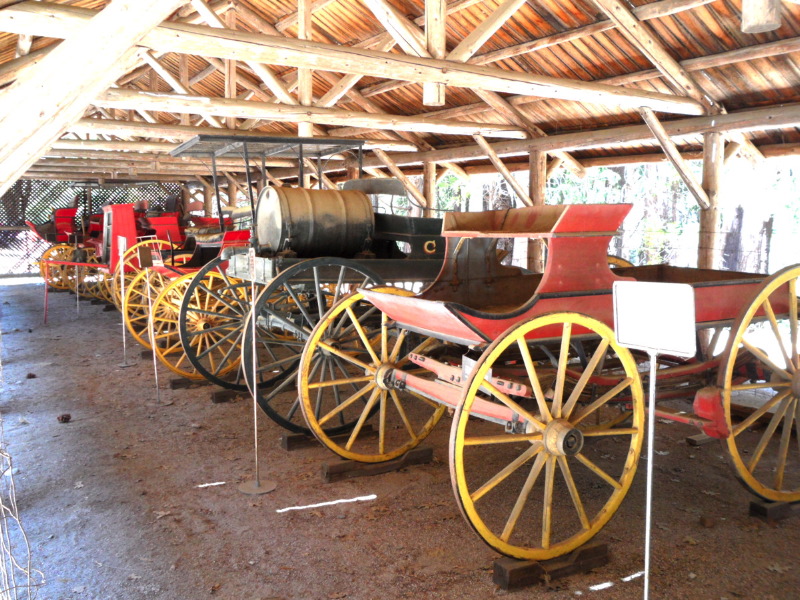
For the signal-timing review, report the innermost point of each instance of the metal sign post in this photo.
(657, 318)
(146, 261)
(122, 246)
(256, 486)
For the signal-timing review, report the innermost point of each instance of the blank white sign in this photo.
(655, 317)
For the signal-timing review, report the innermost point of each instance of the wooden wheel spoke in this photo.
(777, 417)
(786, 437)
(522, 498)
(300, 305)
(757, 414)
(611, 432)
(760, 355)
(760, 386)
(507, 401)
(602, 400)
(505, 472)
(382, 422)
(561, 370)
(320, 293)
(793, 322)
(598, 471)
(403, 416)
(773, 323)
(360, 330)
(346, 403)
(384, 337)
(398, 345)
(337, 382)
(547, 503)
(351, 359)
(573, 491)
(376, 392)
(503, 438)
(584, 378)
(534, 379)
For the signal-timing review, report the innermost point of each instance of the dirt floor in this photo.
(114, 505)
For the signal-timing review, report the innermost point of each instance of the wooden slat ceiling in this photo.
(590, 49)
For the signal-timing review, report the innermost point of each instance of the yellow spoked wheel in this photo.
(340, 380)
(56, 275)
(529, 478)
(83, 280)
(214, 310)
(137, 305)
(166, 336)
(101, 289)
(130, 263)
(762, 408)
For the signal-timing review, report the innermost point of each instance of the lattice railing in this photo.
(35, 201)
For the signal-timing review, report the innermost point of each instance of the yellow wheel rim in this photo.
(130, 261)
(137, 305)
(56, 275)
(337, 380)
(550, 486)
(760, 448)
(165, 315)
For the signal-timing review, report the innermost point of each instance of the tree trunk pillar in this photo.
(429, 188)
(537, 171)
(713, 157)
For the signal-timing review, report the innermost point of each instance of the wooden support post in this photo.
(435, 14)
(429, 185)
(230, 70)
(760, 16)
(208, 199)
(713, 158)
(304, 76)
(183, 77)
(495, 160)
(537, 170)
(43, 102)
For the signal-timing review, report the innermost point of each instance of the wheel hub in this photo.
(562, 439)
(796, 383)
(383, 376)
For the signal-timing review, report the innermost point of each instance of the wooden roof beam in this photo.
(174, 83)
(57, 21)
(674, 156)
(765, 118)
(640, 35)
(39, 106)
(224, 107)
(481, 34)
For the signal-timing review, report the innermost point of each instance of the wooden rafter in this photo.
(433, 94)
(39, 106)
(674, 156)
(510, 180)
(178, 103)
(58, 21)
(396, 172)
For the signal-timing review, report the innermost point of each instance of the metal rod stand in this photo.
(648, 515)
(256, 486)
(152, 333)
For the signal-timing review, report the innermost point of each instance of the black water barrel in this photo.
(314, 222)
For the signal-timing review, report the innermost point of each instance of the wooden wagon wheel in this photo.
(760, 446)
(137, 305)
(130, 262)
(341, 379)
(83, 280)
(212, 316)
(56, 275)
(286, 312)
(550, 485)
(166, 341)
(102, 288)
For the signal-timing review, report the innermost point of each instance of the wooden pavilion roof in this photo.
(577, 79)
